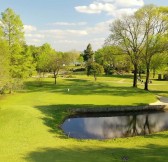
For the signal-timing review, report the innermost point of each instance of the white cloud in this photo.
(79, 44)
(111, 7)
(124, 3)
(100, 28)
(29, 28)
(65, 32)
(69, 23)
(96, 7)
(32, 35)
(123, 11)
(67, 39)
(79, 32)
(129, 3)
(35, 40)
(35, 35)
(63, 35)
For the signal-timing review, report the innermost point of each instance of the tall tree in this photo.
(94, 69)
(127, 33)
(4, 63)
(43, 58)
(13, 31)
(155, 26)
(13, 28)
(28, 63)
(88, 54)
(56, 63)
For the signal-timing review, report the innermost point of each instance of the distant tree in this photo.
(56, 63)
(29, 65)
(88, 54)
(80, 60)
(108, 57)
(159, 62)
(71, 57)
(94, 69)
(43, 55)
(35, 51)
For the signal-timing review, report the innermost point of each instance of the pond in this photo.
(114, 125)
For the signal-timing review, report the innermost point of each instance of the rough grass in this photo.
(30, 119)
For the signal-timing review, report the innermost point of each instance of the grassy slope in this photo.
(29, 123)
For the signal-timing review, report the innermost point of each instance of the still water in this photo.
(105, 126)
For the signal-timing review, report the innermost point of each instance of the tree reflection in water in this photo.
(116, 126)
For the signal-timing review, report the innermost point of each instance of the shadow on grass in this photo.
(158, 92)
(148, 153)
(83, 87)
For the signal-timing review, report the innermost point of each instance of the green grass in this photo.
(30, 119)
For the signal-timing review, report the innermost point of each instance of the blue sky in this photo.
(71, 24)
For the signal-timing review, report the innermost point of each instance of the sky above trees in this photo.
(71, 24)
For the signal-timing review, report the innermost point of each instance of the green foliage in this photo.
(80, 60)
(43, 57)
(128, 34)
(12, 27)
(4, 65)
(88, 55)
(56, 63)
(112, 58)
(71, 57)
(28, 64)
(159, 62)
(155, 27)
(20, 58)
(141, 36)
(94, 69)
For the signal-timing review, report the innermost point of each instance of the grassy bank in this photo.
(30, 119)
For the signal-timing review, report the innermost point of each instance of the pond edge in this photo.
(119, 109)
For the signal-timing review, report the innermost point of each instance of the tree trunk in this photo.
(55, 80)
(140, 74)
(10, 91)
(154, 73)
(55, 77)
(147, 77)
(139, 71)
(135, 76)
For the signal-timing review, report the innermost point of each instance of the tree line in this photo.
(138, 42)
(15, 57)
(19, 61)
(142, 36)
